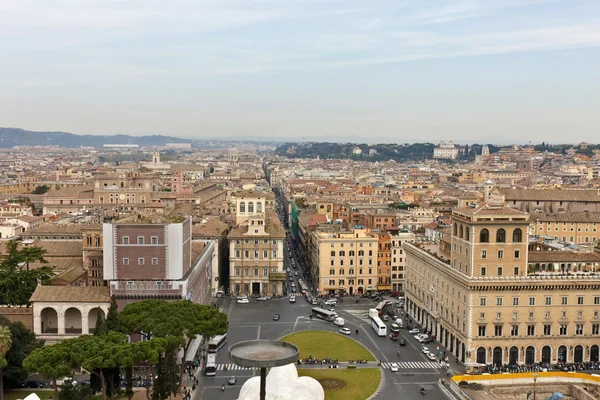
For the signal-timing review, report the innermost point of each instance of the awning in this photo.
(193, 348)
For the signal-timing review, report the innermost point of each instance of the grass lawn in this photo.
(323, 344)
(361, 383)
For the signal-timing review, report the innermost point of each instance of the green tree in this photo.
(5, 345)
(179, 322)
(52, 362)
(23, 343)
(33, 254)
(41, 189)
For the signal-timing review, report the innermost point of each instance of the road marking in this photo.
(258, 333)
(413, 365)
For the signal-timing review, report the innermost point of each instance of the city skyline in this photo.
(468, 71)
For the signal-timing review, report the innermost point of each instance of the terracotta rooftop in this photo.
(71, 294)
(550, 195)
(566, 217)
(561, 257)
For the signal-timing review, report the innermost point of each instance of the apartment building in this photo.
(398, 258)
(487, 303)
(256, 257)
(384, 262)
(346, 260)
(574, 227)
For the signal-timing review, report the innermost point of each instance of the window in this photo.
(564, 300)
(332, 271)
(141, 261)
(499, 271)
(482, 301)
(154, 240)
(255, 271)
(530, 330)
(517, 236)
(580, 300)
(515, 315)
(484, 236)
(515, 270)
(596, 300)
(562, 330)
(237, 253)
(548, 300)
(237, 273)
(500, 254)
(265, 271)
(595, 329)
(242, 207)
(126, 261)
(579, 329)
(265, 253)
(498, 330)
(517, 253)
(481, 330)
(483, 271)
(483, 254)
(154, 261)
(532, 301)
(515, 301)
(125, 240)
(498, 301)
(140, 240)
(547, 330)
(514, 330)
(579, 314)
(500, 236)
(482, 315)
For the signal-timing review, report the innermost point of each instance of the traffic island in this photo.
(331, 345)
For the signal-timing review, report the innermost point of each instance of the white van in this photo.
(292, 299)
(339, 321)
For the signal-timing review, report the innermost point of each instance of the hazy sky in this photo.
(393, 70)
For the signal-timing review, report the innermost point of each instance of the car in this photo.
(394, 367)
(276, 317)
(293, 284)
(243, 301)
(288, 270)
(330, 302)
(431, 356)
(244, 296)
(294, 289)
(385, 317)
(85, 382)
(394, 336)
(33, 385)
(425, 350)
(394, 328)
(263, 298)
(414, 331)
(345, 331)
(62, 381)
(402, 342)
(296, 273)
(232, 380)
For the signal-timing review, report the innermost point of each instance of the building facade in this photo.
(398, 258)
(447, 151)
(487, 304)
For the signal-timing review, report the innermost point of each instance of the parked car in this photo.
(425, 350)
(414, 331)
(263, 298)
(232, 380)
(33, 385)
(276, 317)
(345, 331)
(394, 367)
(243, 301)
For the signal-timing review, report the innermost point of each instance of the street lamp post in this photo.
(535, 376)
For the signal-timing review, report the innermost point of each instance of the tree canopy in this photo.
(23, 343)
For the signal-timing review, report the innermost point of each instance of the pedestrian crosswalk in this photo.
(413, 365)
(233, 367)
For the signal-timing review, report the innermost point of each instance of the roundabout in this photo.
(340, 383)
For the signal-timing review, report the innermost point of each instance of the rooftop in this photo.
(71, 294)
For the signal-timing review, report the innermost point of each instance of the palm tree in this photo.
(5, 344)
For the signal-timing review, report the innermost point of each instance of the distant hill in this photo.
(10, 137)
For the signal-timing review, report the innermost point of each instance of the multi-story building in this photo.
(256, 257)
(579, 228)
(346, 260)
(446, 151)
(398, 258)
(155, 257)
(487, 304)
(384, 262)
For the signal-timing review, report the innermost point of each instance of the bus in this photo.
(216, 343)
(324, 314)
(376, 323)
(381, 307)
(211, 365)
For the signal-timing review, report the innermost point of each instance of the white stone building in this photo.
(446, 151)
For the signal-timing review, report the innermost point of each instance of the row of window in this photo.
(246, 241)
(342, 253)
(265, 271)
(259, 207)
(360, 262)
(341, 282)
(141, 261)
(256, 253)
(564, 300)
(500, 271)
(140, 240)
(563, 330)
(517, 254)
(484, 235)
(563, 315)
(352, 244)
(350, 271)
